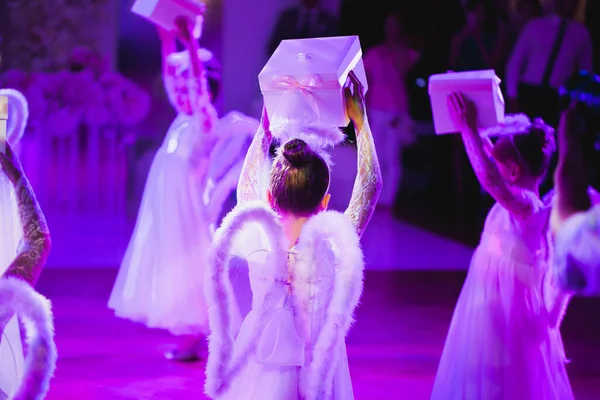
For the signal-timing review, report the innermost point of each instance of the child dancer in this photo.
(306, 272)
(503, 341)
(164, 262)
(190, 178)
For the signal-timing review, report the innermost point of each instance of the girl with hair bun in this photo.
(504, 340)
(305, 267)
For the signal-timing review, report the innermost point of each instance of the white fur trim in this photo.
(318, 138)
(17, 297)
(18, 114)
(336, 229)
(222, 312)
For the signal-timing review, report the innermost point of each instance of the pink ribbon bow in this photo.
(290, 106)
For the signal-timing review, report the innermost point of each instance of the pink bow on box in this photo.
(298, 101)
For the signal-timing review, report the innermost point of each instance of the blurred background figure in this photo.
(525, 11)
(387, 65)
(549, 50)
(481, 42)
(306, 20)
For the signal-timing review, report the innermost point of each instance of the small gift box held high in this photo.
(304, 80)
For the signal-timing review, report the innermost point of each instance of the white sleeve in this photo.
(577, 253)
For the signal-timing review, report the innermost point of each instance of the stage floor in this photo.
(89, 241)
(393, 348)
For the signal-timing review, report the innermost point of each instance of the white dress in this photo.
(502, 343)
(291, 343)
(162, 272)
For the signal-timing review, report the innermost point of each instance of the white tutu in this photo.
(160, 282)
(502, 344)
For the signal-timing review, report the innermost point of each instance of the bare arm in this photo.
(168, 47)
(570, 178)
(368, 182)
(35, 245)
(249, 187)
(488, 175)
(367, 185)
(464, 115)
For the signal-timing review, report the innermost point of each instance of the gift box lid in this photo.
(166, 11)
(330, 58)
(468, 80)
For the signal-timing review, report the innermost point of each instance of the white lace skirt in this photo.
(500, 345)
(161, 280)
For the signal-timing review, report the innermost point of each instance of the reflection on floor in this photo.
(99, 242)
(393, 348)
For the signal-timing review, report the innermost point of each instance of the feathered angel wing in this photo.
(18, 298)
(223, 309)
(329, 308)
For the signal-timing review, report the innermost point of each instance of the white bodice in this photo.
(524, 243)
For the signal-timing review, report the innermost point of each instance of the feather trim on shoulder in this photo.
(337, 230)
(221, 368)
(17, 297)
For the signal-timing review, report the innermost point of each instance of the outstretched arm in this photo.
(35, 245)
(249, 187)
(464, 114)
(367, 185)
(168, 47)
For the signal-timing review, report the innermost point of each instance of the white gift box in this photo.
(3, 120)
(164, 12)
(304, 79)
(482, 87)
(12, 361)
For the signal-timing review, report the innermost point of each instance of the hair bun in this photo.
(542, 135)
(297, 153)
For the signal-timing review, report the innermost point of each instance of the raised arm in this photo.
(199, 95)
(249, 185)
(464, 114)
(168, 46)
(368, 182)
(35, 245)
(570, 178)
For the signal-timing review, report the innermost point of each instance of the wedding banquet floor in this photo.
(393, 348)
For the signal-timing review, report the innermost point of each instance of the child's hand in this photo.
(463, 112)
(355, 102)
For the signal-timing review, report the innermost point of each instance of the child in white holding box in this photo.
(305, 269)
(504, 341)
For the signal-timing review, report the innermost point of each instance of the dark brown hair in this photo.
(299, 179)
(530, 150)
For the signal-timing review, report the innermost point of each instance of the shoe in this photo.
(184, 356)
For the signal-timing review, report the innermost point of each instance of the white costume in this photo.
(576, 261)
(192, 174)
(291, 343)
(22, 378)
